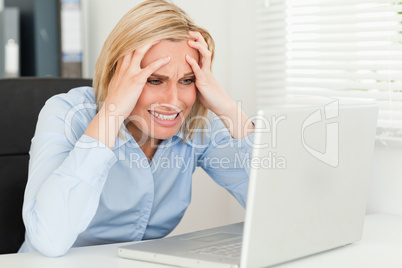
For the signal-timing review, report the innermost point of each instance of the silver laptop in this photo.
(307, 193)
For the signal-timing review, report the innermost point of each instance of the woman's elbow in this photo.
(53, 251)
(49, 245)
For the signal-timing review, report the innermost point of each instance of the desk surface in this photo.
(381, 246)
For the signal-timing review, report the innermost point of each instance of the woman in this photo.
(121, 170)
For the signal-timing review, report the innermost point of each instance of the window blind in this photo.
(342, 48)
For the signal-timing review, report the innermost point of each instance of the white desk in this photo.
(381, 247)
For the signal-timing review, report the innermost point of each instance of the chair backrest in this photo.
(21, 100)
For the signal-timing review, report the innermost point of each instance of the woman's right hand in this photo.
(129, 80)
(124, 90)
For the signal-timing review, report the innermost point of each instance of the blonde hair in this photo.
(149, 21)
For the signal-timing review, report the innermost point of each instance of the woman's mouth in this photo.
(169, 117)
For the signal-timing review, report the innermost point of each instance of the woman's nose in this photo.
(172, 95)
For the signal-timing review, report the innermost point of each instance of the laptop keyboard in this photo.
(230, 249)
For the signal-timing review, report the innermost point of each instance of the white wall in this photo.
(100, 17)
(241, 60)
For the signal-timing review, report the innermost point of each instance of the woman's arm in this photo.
(70, 159)
(225, 159)
(67, 171)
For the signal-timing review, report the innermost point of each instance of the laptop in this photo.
(309, 175)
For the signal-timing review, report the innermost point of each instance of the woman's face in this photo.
(168, 95)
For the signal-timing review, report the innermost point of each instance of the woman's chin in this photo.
(164, 134)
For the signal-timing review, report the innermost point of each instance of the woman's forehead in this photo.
(176, 50)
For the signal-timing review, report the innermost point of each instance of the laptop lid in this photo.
(309, 179)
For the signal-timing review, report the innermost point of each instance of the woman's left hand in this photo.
(210, 94)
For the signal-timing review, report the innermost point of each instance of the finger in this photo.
(124, 63)
(205, 53)
(141, 51)
(198, 37)
(151, 68)
(118, 65)
(194, 65)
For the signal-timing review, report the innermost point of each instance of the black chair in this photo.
(21, 100)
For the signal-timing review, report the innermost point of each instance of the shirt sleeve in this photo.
(67, 171)
(227, 160)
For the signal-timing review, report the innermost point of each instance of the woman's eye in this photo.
(188, 81)
(154, 81)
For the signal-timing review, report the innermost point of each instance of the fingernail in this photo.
(167, 59)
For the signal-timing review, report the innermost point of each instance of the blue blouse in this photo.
(81, 193)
